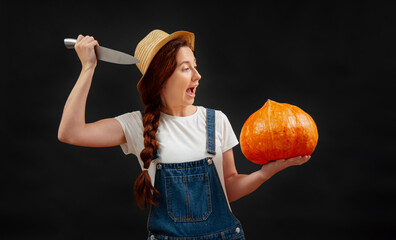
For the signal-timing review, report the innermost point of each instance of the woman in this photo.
(186, 149)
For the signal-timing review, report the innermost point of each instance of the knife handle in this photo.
(70, 42)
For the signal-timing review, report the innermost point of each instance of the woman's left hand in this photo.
(271, 168)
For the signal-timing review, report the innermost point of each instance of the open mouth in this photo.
(191, 92)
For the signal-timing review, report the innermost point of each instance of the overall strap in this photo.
(211, 123)
(155, 155)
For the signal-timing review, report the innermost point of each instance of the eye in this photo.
(186, 69)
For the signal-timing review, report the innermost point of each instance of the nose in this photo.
(196, 76)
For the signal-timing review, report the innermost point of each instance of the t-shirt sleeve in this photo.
(227, 135)
(132, 126)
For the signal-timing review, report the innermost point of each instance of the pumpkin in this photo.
(278, 131)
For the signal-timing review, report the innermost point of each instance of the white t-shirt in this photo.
(180, 139)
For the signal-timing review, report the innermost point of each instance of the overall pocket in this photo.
(188, 197)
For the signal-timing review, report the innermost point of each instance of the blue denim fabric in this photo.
(192, 205)
(211, 125)
(233, 233)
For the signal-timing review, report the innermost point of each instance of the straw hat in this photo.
(148, 47)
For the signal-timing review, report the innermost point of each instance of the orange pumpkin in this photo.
(277, 131)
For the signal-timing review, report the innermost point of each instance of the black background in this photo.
(335, 60)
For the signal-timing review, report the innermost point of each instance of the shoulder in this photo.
(220, 116)
(131, 115)
(130, 118)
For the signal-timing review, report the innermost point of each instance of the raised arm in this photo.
(73, 129)
(239, 185)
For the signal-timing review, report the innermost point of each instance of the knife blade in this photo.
(106, 54)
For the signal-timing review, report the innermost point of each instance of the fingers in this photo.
(303, 160)
(80, 37)
(86, 41)
(299, 160)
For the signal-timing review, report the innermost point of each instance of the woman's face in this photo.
(179, 90)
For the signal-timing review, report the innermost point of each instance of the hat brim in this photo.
(188, 36)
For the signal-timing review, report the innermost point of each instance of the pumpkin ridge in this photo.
(292, 139)
(270, 125)
(297, 140)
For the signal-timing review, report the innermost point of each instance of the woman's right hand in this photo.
(85, 48)
(73, 128)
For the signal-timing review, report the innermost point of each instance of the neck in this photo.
(180, 111)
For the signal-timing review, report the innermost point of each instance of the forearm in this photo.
(240, 185)
(73, 118)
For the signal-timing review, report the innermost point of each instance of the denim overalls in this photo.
(192, 204)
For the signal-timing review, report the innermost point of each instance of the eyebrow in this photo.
(186, 61)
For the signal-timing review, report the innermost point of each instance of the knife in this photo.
(106, 54)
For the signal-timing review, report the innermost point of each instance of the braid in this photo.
(150, 124)
(144, 190)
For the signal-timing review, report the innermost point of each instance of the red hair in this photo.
(161, 68)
